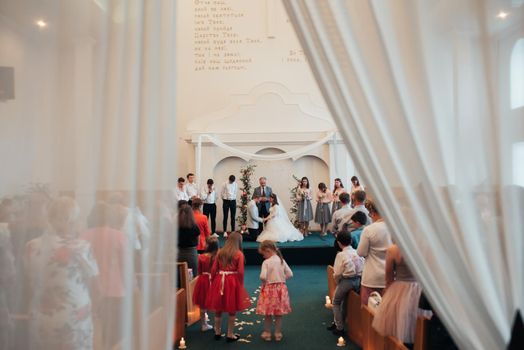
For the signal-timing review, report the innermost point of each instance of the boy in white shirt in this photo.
(347, 271)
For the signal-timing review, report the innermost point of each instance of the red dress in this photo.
(227, 293)
(204, 281)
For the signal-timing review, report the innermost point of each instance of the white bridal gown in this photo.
(278, 228)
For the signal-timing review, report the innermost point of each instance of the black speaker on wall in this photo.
(7, 83)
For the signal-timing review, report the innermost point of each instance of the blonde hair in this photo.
(270, 245)
(63, 209)
(231, 247)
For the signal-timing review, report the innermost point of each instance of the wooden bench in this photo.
(193, 311)
(331, 282)
(371, 339)
(354, 318)
(421, 334)
(179, 330)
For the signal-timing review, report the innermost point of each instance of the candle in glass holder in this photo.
(182, 344)
(328, 301)
(341, 342)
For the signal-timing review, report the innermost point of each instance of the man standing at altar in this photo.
(263, 192)
(253, 219)
(191, 187)
(229, 201)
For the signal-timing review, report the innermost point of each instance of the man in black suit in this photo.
(263, 192)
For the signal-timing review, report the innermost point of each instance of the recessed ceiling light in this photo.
(41, 23)
(502, 15)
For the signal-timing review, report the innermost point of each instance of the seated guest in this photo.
(374, 242)
(397, 313)
(358, 199)
(201, 221)
(346, 272)
(341, 213)
(358, 221)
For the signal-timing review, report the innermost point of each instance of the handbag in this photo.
(374, 301)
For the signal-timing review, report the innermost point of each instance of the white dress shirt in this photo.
(229, 191)
(208, 198)
(192, 190)
(180, 194)
(346, 218)
(275, 271)
(253, 217)
(374, 242)
(347, 264)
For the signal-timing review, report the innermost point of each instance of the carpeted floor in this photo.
(304, 328)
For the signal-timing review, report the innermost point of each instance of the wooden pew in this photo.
(421, 334)
(354, 318)
(331, 282)
(392, 343)
(193, 311)
(371, 339)
(179, 330)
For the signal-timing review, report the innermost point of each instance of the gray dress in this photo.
(305, 210)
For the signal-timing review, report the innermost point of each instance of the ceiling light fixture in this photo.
(502, 15)
(41, 23)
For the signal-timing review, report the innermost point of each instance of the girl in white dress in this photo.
(278, 227)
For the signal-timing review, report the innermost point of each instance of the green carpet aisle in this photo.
(304, 328)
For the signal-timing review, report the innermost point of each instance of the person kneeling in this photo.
(346, 272)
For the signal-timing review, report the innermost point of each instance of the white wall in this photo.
(276, 59)
(26, 132)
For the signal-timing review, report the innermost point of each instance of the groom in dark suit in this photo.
(263, 192)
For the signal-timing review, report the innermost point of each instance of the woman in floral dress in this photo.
(61, 268)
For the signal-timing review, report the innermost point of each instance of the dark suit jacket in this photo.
(267, 193)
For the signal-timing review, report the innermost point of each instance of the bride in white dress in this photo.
(278, 227)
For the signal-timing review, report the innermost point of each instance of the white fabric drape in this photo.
(92, 119)
(412, 86)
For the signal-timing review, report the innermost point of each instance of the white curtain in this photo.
(92, 119)
(415, 88)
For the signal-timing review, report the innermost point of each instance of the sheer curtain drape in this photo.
(413, 87)
(92, 119)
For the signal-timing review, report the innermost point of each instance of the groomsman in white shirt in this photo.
(180, 191)
(191, 187)
(209, 197)
(229, 201)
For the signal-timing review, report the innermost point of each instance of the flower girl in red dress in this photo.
(205, 261)
(227, 292)
(274, 297)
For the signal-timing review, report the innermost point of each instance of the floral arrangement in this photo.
(245, 178)
(294, 203)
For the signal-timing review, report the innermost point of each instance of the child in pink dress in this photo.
(205, 262)
(274, 297)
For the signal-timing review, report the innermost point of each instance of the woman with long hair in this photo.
(338, 189)
(304, 208)
(188, 234)
(227, 292)
(322, 212)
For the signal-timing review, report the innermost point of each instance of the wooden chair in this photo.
(421, 334)
(179, 330)
(331, 282)
(193, 311)
(354, 318)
